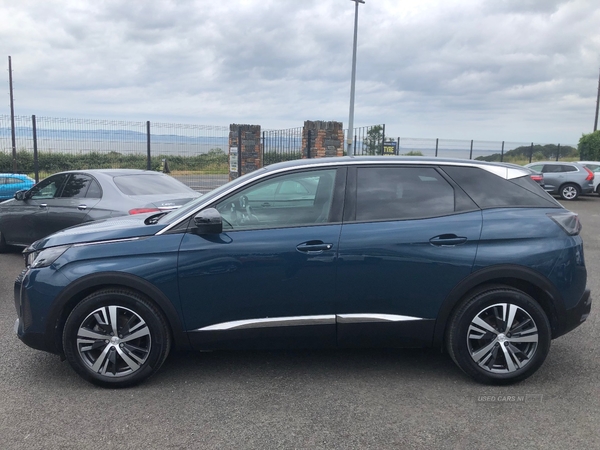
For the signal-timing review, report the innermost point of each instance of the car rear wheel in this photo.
(3, 246)
(116, 338)
(499, 335)
(569, 192)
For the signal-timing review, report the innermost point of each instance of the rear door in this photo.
(73, 203)
(409, 236)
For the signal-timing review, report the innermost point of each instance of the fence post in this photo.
(471, 153)
(531, 153)
(502, 153)
(398, 147)
(36, 167)
(239, 155)
(149, 154)
(437, 141)
(263, 147)
(308, 139)
(558, 152)
(383, 139)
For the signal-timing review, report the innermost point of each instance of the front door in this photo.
(268, 280)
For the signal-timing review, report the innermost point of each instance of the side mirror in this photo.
(20, 195)
(208, 221)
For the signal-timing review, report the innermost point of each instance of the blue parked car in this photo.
(472, 257)
(13, 182)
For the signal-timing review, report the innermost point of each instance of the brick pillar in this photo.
(249, 147)
(327, 139)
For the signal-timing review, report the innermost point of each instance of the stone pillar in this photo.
(326, 139)
(249, 147)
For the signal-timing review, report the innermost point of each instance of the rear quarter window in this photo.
(491, 191)
(148, 184)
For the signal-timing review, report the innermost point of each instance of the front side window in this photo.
(302, 198)
(49, 188)
(398, 193)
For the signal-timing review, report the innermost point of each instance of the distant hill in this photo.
(540, 152)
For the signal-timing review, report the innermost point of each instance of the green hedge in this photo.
(215, 161)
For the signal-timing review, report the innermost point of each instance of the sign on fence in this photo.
(390, 148)
(233, 159)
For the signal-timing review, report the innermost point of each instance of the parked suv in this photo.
(567, 179)
(472, 257)
(594, 166)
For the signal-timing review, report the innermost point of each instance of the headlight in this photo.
(44, 258)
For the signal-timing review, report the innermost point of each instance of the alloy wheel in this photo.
(114, 341)
(569, 192)
(502, 338)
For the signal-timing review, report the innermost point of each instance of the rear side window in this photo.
(148, 184)
(491, 191)
(552, 168)
(398, 193)
(569, 169)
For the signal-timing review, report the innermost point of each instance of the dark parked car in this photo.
(71, 198)
(567, 179)
(13, 182)
(468, 256)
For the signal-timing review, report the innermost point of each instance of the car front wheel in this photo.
(116, 338)
(499, 335)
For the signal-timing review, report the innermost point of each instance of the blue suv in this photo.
(468, 256)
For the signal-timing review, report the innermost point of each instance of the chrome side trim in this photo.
(503, 172)
(85, 244)
(271, 322)
(365, 318)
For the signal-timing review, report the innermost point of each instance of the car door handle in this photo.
(82, 207)
(444, 240)
(43, 205)
(313, 247)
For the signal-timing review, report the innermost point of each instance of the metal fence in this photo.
(282, 145)
(198, 154)
(43, 145)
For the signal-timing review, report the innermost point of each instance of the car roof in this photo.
(576, 163)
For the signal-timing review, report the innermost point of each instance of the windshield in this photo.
(206, 198)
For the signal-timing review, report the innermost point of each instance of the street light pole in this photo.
(353, 81)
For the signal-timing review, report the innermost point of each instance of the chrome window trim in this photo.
(271, 322)
(501, 171)
(292, 321)
(366, 318)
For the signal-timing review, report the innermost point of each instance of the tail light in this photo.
(538, 178)
(590, 176)
(143, 210)
(568, 221)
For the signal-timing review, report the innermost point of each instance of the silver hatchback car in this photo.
(567, 179)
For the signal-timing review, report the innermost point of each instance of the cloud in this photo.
(508, 69)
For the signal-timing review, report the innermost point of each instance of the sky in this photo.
(513, 70)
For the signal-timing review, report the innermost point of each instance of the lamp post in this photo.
(353, 81)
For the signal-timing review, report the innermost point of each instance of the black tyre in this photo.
(116, 338)
(3, 246)
(569, 192)
(498, 335)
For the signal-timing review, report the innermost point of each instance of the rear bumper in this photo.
(578, 314)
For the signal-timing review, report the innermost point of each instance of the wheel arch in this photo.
(523, 278)
(78, 290)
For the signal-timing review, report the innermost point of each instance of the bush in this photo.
(589, 146)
